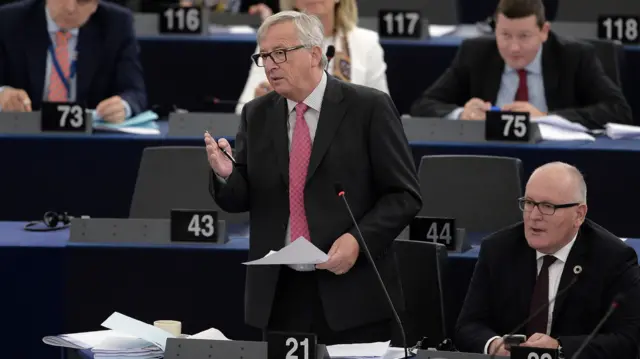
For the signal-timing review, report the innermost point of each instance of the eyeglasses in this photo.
(528, 205)
(278, 56)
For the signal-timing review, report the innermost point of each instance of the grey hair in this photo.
(310, 29)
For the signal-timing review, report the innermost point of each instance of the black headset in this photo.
(50, 221)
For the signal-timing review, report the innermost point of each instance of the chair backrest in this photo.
(611, 56)
(422, 268)
(480, 192)
(175, 178)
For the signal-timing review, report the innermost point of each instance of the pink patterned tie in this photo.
(298, 164)
(57, 91)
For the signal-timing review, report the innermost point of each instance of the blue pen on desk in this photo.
(495, 108)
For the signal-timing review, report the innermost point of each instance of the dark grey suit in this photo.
(359, 143)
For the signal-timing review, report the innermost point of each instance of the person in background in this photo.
(555, 252)
(82, 51)
(525, 68)
(359, 58)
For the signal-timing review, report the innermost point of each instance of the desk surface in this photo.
(12, 234)
(602, 143)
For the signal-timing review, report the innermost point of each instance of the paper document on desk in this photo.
(556, 128)
(619, 131)
(141, 124)
(365, 350)
(552, 133)
(85, 340)
(560, 122)
(138, 329)
(301, 251)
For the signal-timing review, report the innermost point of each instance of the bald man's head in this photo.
(565, 176)
(554, 206)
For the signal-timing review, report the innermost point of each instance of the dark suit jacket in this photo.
(359, 143)
(501, 289)
(575, 85)
(108, 63)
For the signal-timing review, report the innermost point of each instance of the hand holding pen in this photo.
(218, 155)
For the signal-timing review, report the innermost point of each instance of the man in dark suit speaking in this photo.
(525, 68)
(82, 51)
(555, 251)
(293, 145)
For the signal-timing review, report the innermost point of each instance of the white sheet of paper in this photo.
(560, 122)
(138, 329)
(553, 133)
(301, 251)
(83, 340)
(209, 334)
(365, 350)
(618, 131)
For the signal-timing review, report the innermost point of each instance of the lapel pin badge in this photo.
(577, 269)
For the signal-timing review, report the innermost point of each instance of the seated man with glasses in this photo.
(554, 251)
(525, 68)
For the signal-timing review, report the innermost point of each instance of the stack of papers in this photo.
(127, 338)
(556, 128)
(618, 131)
(142, 124)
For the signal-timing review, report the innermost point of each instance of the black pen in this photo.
(224, 151)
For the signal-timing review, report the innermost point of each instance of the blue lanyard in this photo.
(72, 71)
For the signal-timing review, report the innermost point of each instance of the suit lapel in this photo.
(331, 115)
(37, 42)
(576, 259)
(550, 74)
(277, 118)
(89, 55)
(494, 72)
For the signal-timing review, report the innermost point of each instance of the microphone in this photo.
(331, 52)
(539, 310)
(340, 193)
(616, 302)
(218, 101)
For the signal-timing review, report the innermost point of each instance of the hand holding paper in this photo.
(342, 255)
(301, 251)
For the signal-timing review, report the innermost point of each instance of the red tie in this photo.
(298, 164)
(523, 91)
(57, 91)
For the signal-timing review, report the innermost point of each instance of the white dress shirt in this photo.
(555, 274)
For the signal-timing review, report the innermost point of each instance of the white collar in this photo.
(563, 253)
(314, 100)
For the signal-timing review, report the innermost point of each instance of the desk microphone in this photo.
(340, 193)
(616, 302)
(539, 310)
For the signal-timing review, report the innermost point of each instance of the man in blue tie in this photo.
(81, 51)
(525, 68)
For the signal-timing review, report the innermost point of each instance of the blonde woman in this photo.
(359, 58)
